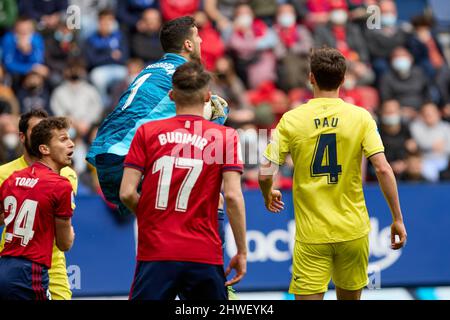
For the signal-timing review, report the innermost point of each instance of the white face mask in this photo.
(338, 16)
(391, 120)
(244, 21)
(286, 20)
(10, 140)
(402, 65)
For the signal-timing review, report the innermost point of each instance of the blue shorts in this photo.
(22, 279)
(110, 172)
(164, 280)
(221, 216)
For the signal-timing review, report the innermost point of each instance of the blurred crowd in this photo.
(78, 67)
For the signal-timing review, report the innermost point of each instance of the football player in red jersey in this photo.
(36, 206)
(183, 161)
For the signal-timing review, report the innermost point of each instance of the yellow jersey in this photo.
(58, 281)
(327, 138)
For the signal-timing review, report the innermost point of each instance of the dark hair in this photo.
(23, 18)
(25, 118)
(189, 83)
(422, 21)
(106, 12)
(42, 133)
(328, 66)
(174, 32)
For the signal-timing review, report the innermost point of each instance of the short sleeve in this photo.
(136, 157)
(278, 147)
(64, 199)
(371, 143)
(233, 152)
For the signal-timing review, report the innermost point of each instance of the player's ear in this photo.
(22, 137)
(208, 96)
(44, 149)
(171, 95)
(311, 78)
(188, 45)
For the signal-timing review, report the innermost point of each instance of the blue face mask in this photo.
(59, 36)
(286, 20)
(402, 64)
(388, 20)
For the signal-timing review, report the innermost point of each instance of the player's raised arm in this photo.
(388, 185)
(128, 189)
(236, 215)
(64, 233)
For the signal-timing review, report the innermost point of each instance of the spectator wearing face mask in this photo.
(23, 50)
(76, 99)
(292, 50)
(106, 52)
(10, 147)
(382, 42)
(406, 83)
(33, 93)
(343, 35)
(61, 46)
(251, 43)
(396, 136)
(433, 139)
(145, 42)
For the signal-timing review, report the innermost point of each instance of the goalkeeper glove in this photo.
(219, 110)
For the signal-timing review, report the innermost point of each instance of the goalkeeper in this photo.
(147, 99)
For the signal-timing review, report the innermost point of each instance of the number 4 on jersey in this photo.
(324, 162)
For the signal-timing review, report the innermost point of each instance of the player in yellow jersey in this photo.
(327, 138)
(59, 282)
